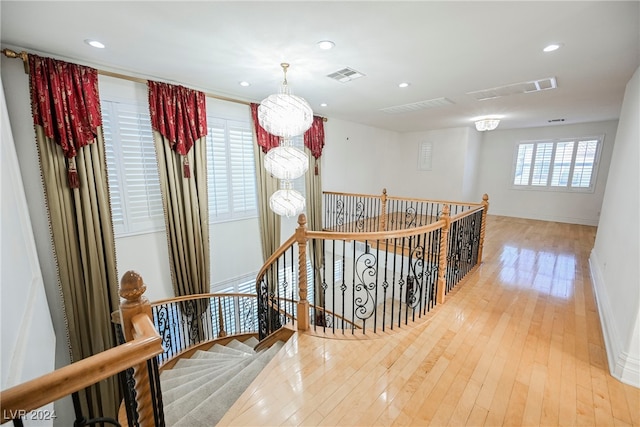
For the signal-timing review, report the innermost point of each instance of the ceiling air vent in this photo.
(415, 106)
(516, 88)
(345, 75)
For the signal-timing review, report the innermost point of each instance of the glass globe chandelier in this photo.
(286, 201)
(286, 162)
(285, 115)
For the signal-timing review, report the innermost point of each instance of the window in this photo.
(134, 186)
(231, 170)
(563, 164)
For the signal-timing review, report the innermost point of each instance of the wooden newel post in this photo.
(383, 208)
(485, 205)
(444, 248)
(303, 304)
(135, 303)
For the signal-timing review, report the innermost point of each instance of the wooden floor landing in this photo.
(518, 344)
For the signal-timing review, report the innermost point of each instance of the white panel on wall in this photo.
(28, 338)
(425, 156)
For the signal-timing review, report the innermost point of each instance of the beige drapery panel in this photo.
(266, 185)
(313, 189)
(83, 245)
(186, 213)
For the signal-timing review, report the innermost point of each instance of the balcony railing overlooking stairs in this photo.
(379, 263)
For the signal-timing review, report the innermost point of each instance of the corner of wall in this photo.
(622, 365)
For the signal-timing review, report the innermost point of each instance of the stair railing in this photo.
(138, 353)
(379, 263)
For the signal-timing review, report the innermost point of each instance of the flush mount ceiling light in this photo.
(283, 114)
(244, 84)
(487, 123)
(94, 43)
(326, 44)
(403, 85)
(552, 47)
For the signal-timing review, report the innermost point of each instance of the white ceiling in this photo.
(444, 49)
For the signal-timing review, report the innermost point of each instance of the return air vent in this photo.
(415, 106)
(345, 75)
(514, 89)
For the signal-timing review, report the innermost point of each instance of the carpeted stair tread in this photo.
(194, 378)
(213, 405)
(217, 348)
(216, 354)
(239, 345)
(251, 342)
(173, 389)
(187, 363)
(176, 409)
(188, 370)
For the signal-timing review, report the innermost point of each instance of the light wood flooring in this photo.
(518, 343)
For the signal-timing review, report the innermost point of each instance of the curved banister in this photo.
(375, 235)
(407, 199)
(79, 375)
(278, 252)
(198, 296)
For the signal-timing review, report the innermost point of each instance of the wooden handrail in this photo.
(79, 375)
(274, 256)
(199, 296)
(410, 199)
(375, 235)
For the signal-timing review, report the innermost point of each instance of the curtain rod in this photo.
(25, 60)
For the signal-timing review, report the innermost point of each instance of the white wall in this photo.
(454, 165)
(614, 261)
(496, 163)
(360, 159)
(28, 339)
(16, 89)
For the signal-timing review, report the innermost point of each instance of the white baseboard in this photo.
(544, 217)
(622, 365)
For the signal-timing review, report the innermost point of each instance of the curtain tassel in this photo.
(72, 174)
(185, 167)
(316, 166)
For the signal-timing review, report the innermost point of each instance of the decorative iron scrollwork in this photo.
(365, 287)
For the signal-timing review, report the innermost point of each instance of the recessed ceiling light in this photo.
(244, 84)
(324, 104)
(552, 47)
(94, 43)
(403, 84)
(326, 44)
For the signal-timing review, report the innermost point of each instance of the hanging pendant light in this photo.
(286, 201)
(283, 114)
(286, 162)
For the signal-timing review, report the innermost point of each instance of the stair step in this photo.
(216, 401)
(217, 348)
(187, 370)
(239, 345)
(175, 388)
(169, 382)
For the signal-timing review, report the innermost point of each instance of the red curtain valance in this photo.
(314, 137)
(65, 102)
(264, 138)
(178, 113)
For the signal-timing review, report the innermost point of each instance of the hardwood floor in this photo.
(518, 343)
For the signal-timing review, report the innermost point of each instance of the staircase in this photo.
(198, 391)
